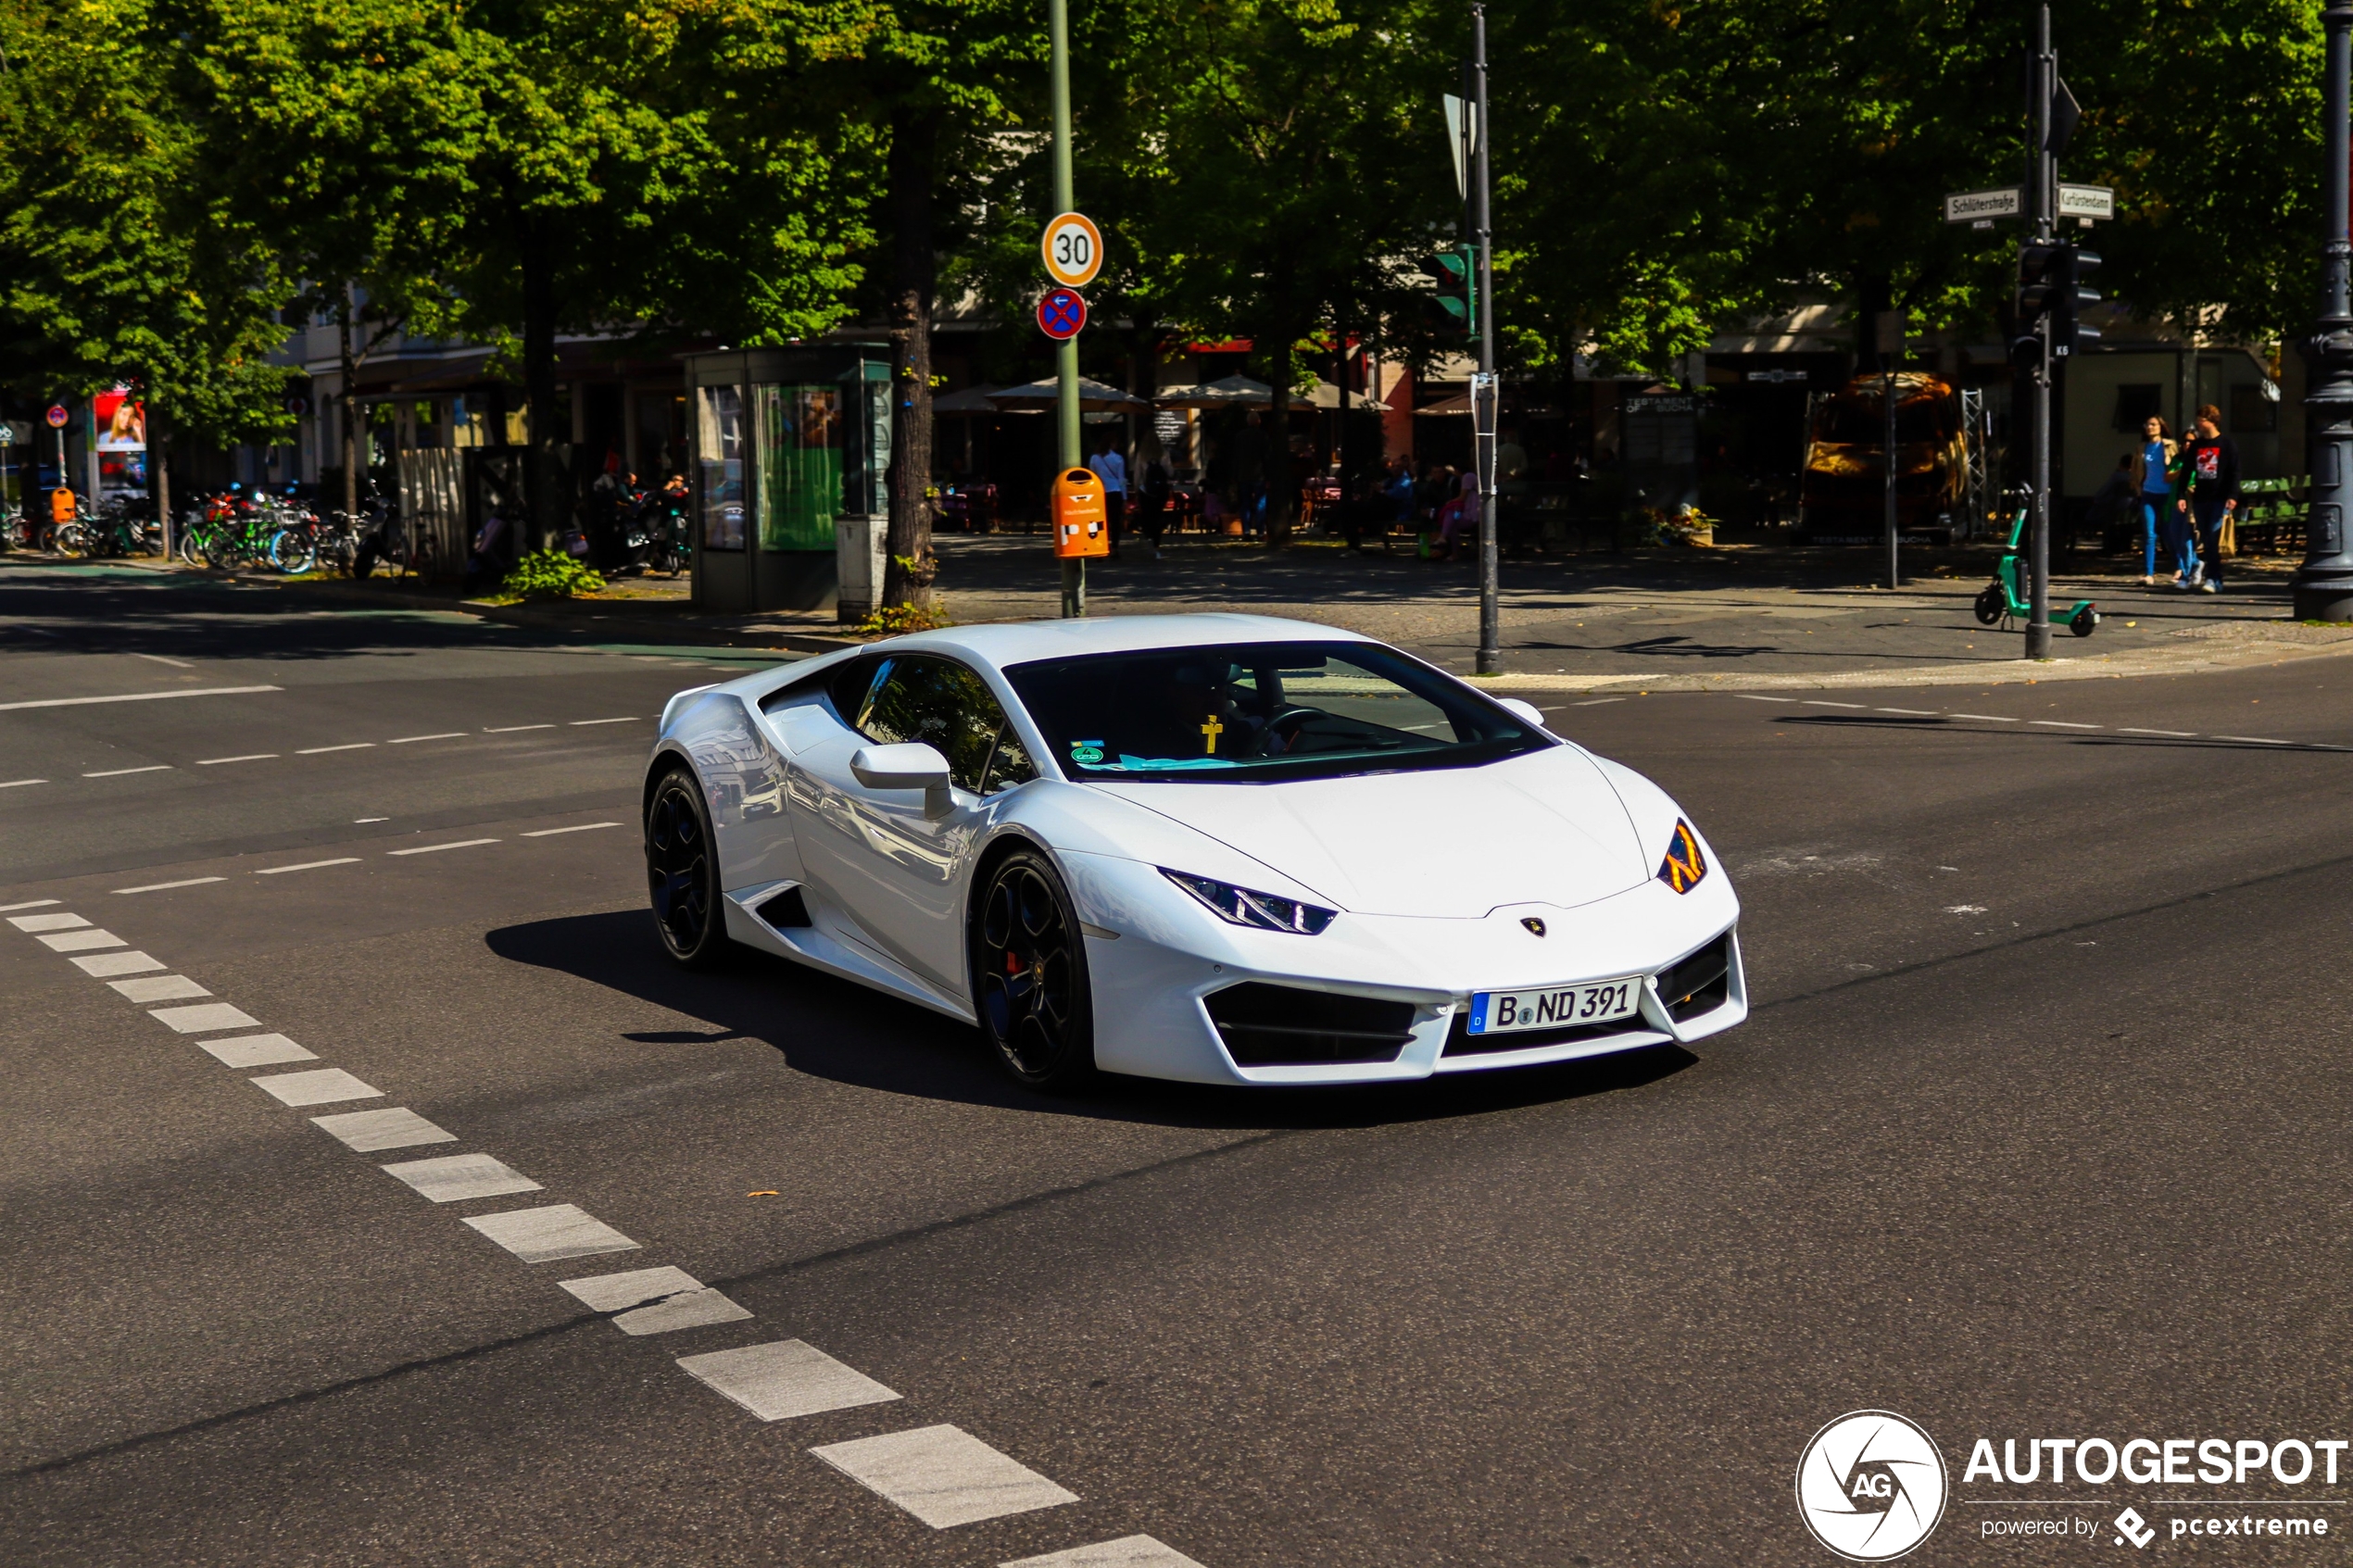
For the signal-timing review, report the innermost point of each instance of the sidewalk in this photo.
(1736, 618)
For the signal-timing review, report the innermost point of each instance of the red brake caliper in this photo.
(1013, 964)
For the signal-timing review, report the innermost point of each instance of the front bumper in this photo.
(1153, 979)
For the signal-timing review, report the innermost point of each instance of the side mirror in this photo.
(1520, 708)
(911, 766)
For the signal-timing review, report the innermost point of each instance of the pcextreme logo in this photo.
(1870, 1485)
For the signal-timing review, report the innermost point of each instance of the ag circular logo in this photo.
(1870, 1485)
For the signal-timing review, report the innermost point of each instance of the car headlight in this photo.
(1260, 911)
(1684, 864)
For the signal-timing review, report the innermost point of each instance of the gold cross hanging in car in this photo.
(1212, 730)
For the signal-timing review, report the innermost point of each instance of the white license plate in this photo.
(1563, 1006)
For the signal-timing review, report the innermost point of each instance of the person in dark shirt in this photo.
(2210, 491)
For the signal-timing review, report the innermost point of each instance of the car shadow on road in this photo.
(833, 1029)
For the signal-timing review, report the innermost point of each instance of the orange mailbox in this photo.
(1079, 529)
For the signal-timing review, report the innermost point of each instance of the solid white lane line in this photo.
(2061, 725)
(430, 848)
(20, 783)
(2171, 734)
(1752, 696)
(160, 887)
(1913, 713)
(158, 988)
(309, 866)
(450, 1178)
(658, 1302)
(1817, 702)
(944, 1475)
(81, 941)
(100, 965)
(543, 1235)
(577, 723)
(205, 1018)
(365, 1131)
(1128, 1552)
(511, 729)
(322, 1085)
(1597, 702)
(257, 1050)
(159, 659)
(786, 1379)
(582, 827)
(2256, 740)
(61, 921)
(1986, 717)
(248, 757)
(322, 750)
(446, 735)
(135, 696)
(31, 904)
(118, 772)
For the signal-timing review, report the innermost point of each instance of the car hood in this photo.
(1449, 842)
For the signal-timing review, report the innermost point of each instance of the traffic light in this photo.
(2069, 267)
(1457, 287)
(2039, 264)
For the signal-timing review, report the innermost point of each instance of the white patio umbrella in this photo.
(1094, 398)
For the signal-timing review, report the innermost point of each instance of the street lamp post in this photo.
(1484, 422)
(2323, 588)
(1066, 351)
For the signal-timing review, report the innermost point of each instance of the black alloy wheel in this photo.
(682, 872)
(1029, 975)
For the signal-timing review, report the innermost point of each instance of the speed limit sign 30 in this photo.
(1074, 250)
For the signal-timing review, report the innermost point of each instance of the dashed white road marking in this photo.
(2170, 734)
(2062, 725)
(1985, 718)
(1817, 702)
(81, 941)
(785, 1379)
(46, 922)
(1597, 702)
(944, 1475)
(1752, 696)
(366, 1131)
(204, 1019)
(1128, 1552)
(1913, 713)
(348, 746)
(362, 821)
(2256, 740)
(157, 988)
(159, 659)
(100, 965)
(257, 1050)
(449, 1178)
(321, 1086)
(544, 1235)
(248, 757)
(430, 848)
(626, 719)
(118, 772)
(161, 886)
(657, 1301)
(309, 866)
(20, 783)
(30, 904)
(577, 827)
(511, 729)
(135, 696)
(446, 735)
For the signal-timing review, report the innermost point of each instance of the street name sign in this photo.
(1971, 206)
(1073, 247)
(2087, 201)
(1060, 314)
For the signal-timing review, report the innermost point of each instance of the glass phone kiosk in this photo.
(784, 442)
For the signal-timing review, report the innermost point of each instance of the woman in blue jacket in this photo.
(2156, 503)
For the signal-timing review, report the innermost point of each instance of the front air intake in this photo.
(1700, 984)
(1266, 1025)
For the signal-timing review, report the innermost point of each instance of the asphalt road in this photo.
(2037, 1132)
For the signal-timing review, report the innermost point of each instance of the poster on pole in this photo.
(120, 420)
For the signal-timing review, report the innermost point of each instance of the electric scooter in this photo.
(2004, 598)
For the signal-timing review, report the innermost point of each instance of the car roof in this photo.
(1020, 642)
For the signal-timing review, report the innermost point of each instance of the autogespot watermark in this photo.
(1871, 1486)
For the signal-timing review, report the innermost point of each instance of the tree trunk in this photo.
(1282, 485)
(914, 146)
(159, 469)
(1873, 295)
(547, 498)
(350, 369)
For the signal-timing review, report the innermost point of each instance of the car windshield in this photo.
(1258, 712)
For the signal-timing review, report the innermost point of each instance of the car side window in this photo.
(849, 686)
(1009, 764)
(940, 704)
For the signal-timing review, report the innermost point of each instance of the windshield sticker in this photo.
(1086, 751)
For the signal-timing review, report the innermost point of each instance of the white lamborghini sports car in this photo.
(1220, 848)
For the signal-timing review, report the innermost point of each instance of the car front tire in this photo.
(682, 872)
(1029, 974)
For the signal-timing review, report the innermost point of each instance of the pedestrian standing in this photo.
(2155, 465)
(1112, 469)
(2211, 478)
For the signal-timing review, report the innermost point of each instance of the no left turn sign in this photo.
(1074, 250)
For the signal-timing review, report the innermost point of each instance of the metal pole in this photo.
(1888, 454)
(2038, 620)
(1490, 617)
(2324, 589)
(1066, 351)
